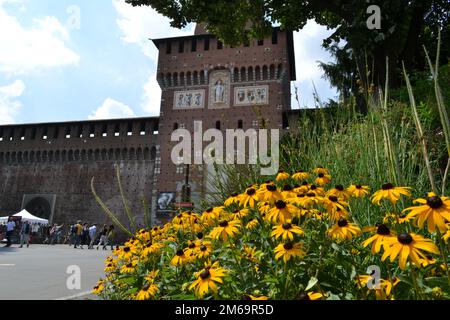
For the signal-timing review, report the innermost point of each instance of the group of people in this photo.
(24, 232)
(82, 234)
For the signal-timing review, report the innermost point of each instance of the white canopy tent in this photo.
(26, 216)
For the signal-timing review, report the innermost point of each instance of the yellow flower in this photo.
(204, 249)
(110, 267)
(98, 289)
(408, 245)
(382, 233)
(309, 296)
(151, 276)
(338, 191)
(269, 193)
(358, 191)
(307, 200)
(288, 192)
(320, 170)
(286, 231)
(151, 248)
(249, 198)
(343, 230)
(252, 224)
(210, 215)
(300, 175)
(264, 207)
(239, 214)
(385, 286)
(282, 175)
(323, 179)
(207, 279)
(250, 253)
(434, 210)
(289, 250)
(148, 291)
(126, 252)
(282, 212)
(250, 297)
(179, 259)
(225, 229)
(234, 198)
(390, 192)
(129, 267)
(446, 236)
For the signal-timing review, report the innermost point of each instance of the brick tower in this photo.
(225, 88)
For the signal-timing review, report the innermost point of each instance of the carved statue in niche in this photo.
(219, 89)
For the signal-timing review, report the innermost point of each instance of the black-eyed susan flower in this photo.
(434, 210)
(286, 231)
(288, 191)
(384, 289)
(110, 267)
(316, 189)
(281, 212)
(239, 214)
(282, 175)
(408, 245)
(147, 292)
(264, 207)
(225, 229)
(358, 191)
(343, 230)
(151, 248)
(289, 250)
(126, 252)
(151, 276)
(232, 199)
(210, 215)
(128, 267)
(300, 175)
(252, 224)
(320, 170)
(322, 179)
(338, 191)
(269, 193)
(204, 249)
(307, 200)
(390, 192)
(250, 253)
(249, 198)
(100, 286)
(332, 203)
(309, 296)
(377, 240)
(207, 279)
(179, 259)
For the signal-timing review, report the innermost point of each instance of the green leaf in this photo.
(312, 282)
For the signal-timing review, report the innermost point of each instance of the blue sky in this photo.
(82, 59)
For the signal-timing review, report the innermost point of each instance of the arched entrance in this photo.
(39, 207)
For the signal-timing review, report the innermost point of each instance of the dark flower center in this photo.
(333, 198)
(251, 191)
(280, 204)
(180, 216)
(280, 171)
(287, 226)
(340, 187)
(301, 195)
(288, 246)
(342, 222)
(313, 187)
(191, 245)
(405, 238)
(209, 210)
(200, 235)
(180, 252)
(287, 187)
(203, 247)
(234, 194)
(271, 187)
(303, 296)
(126, 249)
(383, 230)
(205, 274)
(358, 186)
(223, 223)
(304, 183)
(130, 265)
(321, 175)
(146, 287)
(387, 186)
(435, 202)
(310, 194)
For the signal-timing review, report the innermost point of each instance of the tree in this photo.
(405, 26)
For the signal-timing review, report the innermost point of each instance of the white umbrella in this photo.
(26, 216)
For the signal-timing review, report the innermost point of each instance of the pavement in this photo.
(43, 272)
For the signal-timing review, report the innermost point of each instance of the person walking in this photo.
(10, 225)
(111, 236)
(79, 233)
(92, 235)
(73, 234)
(25, 233)
(103, 237)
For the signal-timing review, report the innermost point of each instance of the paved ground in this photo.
(39, 272)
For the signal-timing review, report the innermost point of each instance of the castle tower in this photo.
(224, 88)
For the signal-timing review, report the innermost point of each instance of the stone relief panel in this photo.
(192, 99)
(255, 95)
(219, 89)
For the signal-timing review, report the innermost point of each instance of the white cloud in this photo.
(138, 24)
(152, 96)
(308, 53)
(112, 109)
(9, 105)
(27, 49)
